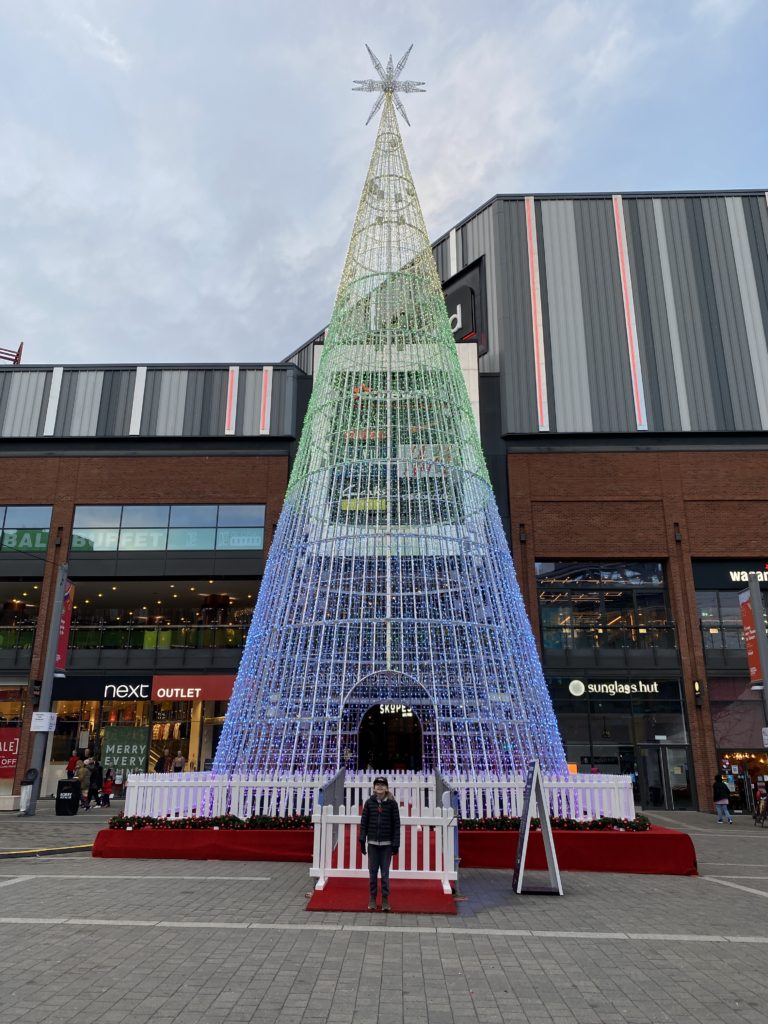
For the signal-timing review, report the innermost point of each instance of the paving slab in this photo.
(193, 941)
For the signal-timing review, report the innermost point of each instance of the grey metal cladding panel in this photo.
(750, 302)
(151, 403)
(689, 317)
(605, 331)
(756, 218)
(440, 252)
(205, 403)
(23, 403)
(283, 415)
(217, 385)
(568, 368)
(66, 404)
(711, 336)
(518, 376)
(116, 403)
(651, 314)
(730, 314)
(248, 403)
(85, 408)
(44, 404)
(479, 241)
(306, 359)
(6, 376)
(172, 402)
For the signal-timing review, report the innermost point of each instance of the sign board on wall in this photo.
(131, 688)
(125, 747)
(728, 575)
(43, 721)
(9, 751)
(192, 687)
(465, 301)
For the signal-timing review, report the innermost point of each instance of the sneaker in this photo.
(372, 904)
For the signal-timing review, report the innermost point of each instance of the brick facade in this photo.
(67, 481)
(667, 505)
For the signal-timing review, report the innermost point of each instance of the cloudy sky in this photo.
(178, 178)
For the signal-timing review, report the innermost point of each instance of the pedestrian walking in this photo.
(72, 764)
(83, 773)
(94, 786)
(178, 762)
(107, 787)
(380, 830)
(163, 763)
(721, 795)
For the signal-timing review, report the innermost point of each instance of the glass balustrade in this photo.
(151, 638)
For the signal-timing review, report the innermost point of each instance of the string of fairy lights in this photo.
(389, 578)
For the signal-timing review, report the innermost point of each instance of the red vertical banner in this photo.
(9, 751)
(64, 624)
(756, 671)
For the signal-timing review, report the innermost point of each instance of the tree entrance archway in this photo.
(389, 739)
(384, 696)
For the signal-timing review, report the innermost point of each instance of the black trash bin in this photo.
(68, 796)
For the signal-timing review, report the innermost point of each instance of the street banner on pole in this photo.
(64, 624)
(754, 661)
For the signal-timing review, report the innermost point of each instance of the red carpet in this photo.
(206, 844)
(661, 851)
(405, 897)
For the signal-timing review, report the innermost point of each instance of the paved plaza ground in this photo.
(108, 941)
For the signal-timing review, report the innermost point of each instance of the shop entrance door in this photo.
(665, 778)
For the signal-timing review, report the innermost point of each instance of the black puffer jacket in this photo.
(380, 822)
(720, 791)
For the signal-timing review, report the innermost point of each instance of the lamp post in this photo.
(46, 686)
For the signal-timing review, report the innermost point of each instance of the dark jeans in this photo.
(379, 859)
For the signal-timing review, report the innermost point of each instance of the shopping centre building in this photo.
(614, 349)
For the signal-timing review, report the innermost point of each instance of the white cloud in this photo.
(178, 180)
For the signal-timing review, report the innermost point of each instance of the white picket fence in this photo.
(414, 791)
(199, 794)
(427, 847)
(572, 796)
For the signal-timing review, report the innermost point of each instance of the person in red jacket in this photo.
(107, 788)
(72, 764)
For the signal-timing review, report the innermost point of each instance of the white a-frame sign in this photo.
(533, 799)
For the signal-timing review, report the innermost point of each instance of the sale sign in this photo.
(9, 751)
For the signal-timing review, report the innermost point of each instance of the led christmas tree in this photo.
(389, 579)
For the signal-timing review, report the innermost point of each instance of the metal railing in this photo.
(723, 638)
(17, 638)
(156, 638)
(637, 638)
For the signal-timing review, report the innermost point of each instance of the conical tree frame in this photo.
(389, 579)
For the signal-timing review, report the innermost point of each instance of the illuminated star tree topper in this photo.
(388, 82)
